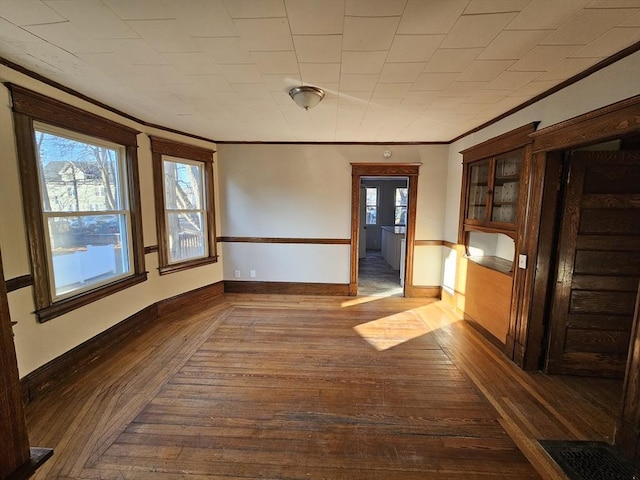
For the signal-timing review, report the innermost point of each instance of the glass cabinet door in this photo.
(478, 189)
(505, 187)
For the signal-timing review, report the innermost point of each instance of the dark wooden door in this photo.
(14, 444)
(598, 266)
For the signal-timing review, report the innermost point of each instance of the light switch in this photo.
(522, 261)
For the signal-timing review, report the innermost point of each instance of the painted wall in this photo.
(36, 343)
(609, 85)
(304, 191)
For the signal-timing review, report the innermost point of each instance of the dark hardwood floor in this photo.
(305, 387)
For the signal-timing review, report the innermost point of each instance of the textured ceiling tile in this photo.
(23, 13)
(432, 17)
(135, 51)
(241, 73)
(488, 96)
(568, 68)
(543, 58)
(192, 63)
(413, 48)
(535, 88)
(140, 9)
(494, 6)
(225, 49)
(320, 73)
(311, 17)
(210, 19)
(464, 89)
(276, 62)
(614, 4)
(211, 83)
(164, 35)
(588, 25)
(255, 8)
(363, 62)
(366, 34)
(355, 97)
(513, 44)
(485, 70)
(611, 42)
(476, 30)
(633, 21)
(269, 34)
(452, 59)
(391, 90)
(375, 8)
(546, 14)
(358, 83)
(401, 72)
(281, 83)
(512, 80)
(421, 98)
(318, 48)
(68, 37)
(447, 103)
(84, 15)
(434, 81)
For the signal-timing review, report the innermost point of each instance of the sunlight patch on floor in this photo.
(393, 330)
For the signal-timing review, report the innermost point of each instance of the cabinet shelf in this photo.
(499, 180)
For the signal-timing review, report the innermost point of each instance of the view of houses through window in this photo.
(372, 205)
(186, 219)
(85, 210)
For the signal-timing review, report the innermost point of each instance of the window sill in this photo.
(178, 267)
(69, 304)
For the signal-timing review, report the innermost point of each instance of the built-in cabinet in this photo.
(492, 199)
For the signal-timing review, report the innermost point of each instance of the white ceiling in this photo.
(393, 70)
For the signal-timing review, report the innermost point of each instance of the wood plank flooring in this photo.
(312, 388)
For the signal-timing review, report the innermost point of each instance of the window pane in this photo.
(372, 215)
(183, 186)
(401, 197)
(77, 176)
(372, 197)
(401, 216)
(87, 251)
(186, 236)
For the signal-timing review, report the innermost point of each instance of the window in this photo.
(400, 214)
(372, 205)
(183, 183)
(81, 201)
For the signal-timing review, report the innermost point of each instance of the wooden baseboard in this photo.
(67, 364)
(202, 297)
(38, 457)
(422, 291)
(287, 288)
(485, 333)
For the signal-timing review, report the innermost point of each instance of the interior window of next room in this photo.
(372, 205)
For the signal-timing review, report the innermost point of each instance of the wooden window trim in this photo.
(160, 147)
(29, 106)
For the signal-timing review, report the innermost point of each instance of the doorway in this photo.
(382, 243)
(405, 176)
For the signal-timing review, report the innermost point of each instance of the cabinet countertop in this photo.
(397, 230)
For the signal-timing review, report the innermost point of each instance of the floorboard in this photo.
(267, 386)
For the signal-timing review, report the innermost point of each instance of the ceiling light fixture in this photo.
(306, 96)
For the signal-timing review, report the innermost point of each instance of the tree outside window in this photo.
(372, 205)
(400, 215)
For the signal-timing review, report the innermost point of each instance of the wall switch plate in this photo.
(252, 274)
(522, 261)
(236, 274)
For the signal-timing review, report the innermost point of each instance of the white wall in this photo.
(36, 343)
(304, 191)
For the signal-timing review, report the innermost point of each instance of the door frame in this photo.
(359, 170)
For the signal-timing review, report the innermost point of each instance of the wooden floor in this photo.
(313, 388)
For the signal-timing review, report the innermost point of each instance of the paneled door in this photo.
(598, 266)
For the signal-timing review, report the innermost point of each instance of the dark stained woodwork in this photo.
(150, 249)
(423, 291)
(610, 122)
(294, 387)
(200, 298)
(512, 140)
(29, 106)
(160, 147)
(628, 427)
(601, 283)
(52, 111)
(310, 241)
(17, 283)
(286, 288)
(359, 170)
(14, 442)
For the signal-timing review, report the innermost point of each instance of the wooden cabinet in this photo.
(492, 193)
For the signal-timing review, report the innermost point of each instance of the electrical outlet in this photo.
(252, 274)
(236, 274)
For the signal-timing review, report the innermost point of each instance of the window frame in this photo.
(30, 107)
(161, 147)
(396, 205)
(377, 205)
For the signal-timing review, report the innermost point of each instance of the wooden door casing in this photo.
(598, 266)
